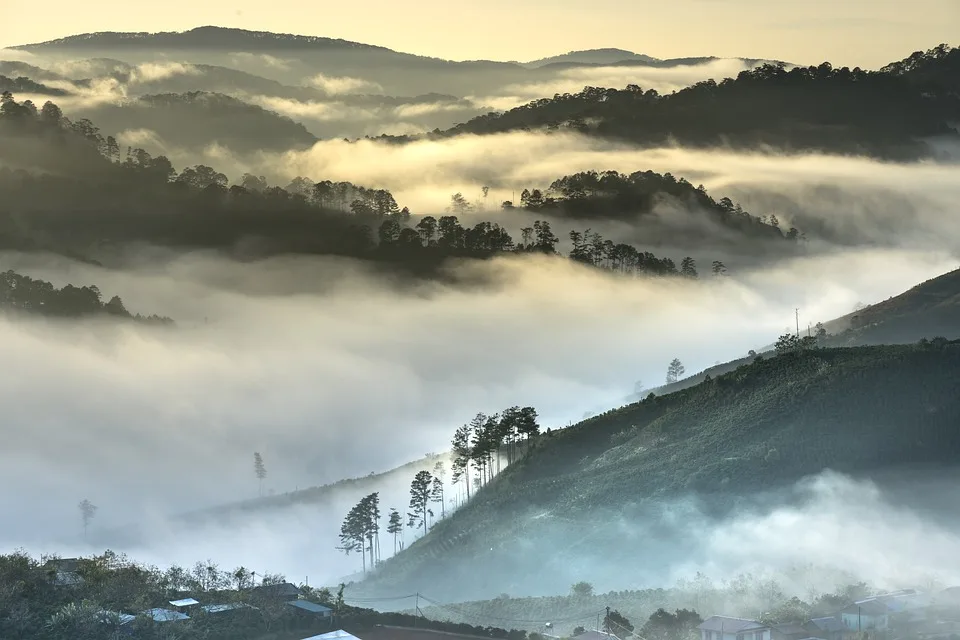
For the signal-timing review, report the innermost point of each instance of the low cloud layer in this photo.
(330, 373)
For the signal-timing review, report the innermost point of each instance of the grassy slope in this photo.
(713, 440)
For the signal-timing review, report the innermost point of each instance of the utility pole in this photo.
(797, 313)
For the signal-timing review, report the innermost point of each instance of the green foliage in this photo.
(680, 625)
(582, 589)
(617, 624)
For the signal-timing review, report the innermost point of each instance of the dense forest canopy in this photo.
(74, 191)
(804, 108)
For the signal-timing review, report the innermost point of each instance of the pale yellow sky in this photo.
(864, 33)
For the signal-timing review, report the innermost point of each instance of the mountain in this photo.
(207, 37)
(800, 109)
(929, 310)
(295, 60)
(627, 492)
(198, 119)
(592, 56)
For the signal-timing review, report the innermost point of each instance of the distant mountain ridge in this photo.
(593, 56)
(205, 37)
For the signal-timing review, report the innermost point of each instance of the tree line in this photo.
(23, 293)
(843, 110)
(94, 195)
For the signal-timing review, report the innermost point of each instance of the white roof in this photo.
(338, 634)
(186, 602)
(165, 615)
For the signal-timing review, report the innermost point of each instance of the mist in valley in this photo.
(332, 368)
(330, 372)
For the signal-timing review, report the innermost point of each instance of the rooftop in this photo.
(185, 602)
(165, 615)
(312, 607)
(218, 608)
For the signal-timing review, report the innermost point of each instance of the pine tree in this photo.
(395, 526)
(419, 500)
(260, 470)
(675, 371)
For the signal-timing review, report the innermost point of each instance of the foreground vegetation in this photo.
(762, 426)
(37, 603)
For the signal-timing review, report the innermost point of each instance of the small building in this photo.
(311, 608)
(729, 628)
(279, 591)
(226, 608)
(184, 604)
(165, 615)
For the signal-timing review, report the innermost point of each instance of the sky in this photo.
(866, 33)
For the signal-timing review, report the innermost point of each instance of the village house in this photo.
(727, 628)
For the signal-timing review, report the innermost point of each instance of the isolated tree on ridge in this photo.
(259, 469)
(87, 511)
(675, 371)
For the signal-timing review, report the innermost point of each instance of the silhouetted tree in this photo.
(419, 500)
(675, 370)
(259, 470)
(87, 511)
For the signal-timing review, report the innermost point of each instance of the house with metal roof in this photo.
(729, 628)
(280, 591)
(164, 615)
(223, 608)
(312, 608)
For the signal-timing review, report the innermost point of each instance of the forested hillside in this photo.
(803, 108)
(197, 119)
(762, 426)
(70, 189)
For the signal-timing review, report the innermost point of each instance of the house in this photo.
(164, 615)
(866, 615)
(280, 591)
(224, 608)
(312, 609)
(728, 628)
(339, 634)
(63, 572)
